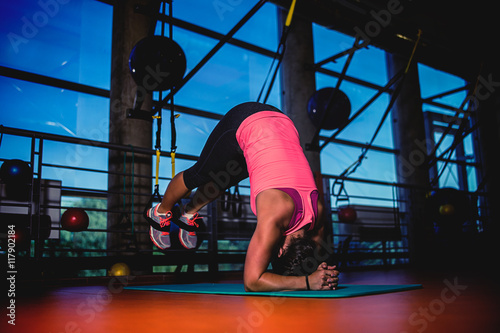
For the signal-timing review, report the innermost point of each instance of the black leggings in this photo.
(221, 160)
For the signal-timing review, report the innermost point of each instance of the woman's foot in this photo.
(188, 225)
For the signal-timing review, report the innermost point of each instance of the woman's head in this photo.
(296, 258)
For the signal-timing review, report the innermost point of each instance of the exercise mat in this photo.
(345, 290)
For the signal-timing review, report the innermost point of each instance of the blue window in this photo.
(68, 40)
(365, 73)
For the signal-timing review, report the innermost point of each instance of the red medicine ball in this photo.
(75, 219)
(347, 214)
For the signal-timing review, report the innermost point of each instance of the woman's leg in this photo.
(176, 190)
(203, 196)
(220, 153)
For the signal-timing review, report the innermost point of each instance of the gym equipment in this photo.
(225, 201)
(157, 63)
(326, 112)
(347, 214)
(278, 56)
(446, 209)
(26, 228)
(237, 202)
(174, 236)
(450, 210)
(156, 196)
(17, 176)
(448, 204)
(399, 77)
(16, 172)
(346, 290)
(214, 50)
(119, 269)
(75, 219)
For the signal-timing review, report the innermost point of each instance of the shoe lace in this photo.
(192, 221)
(165, 222)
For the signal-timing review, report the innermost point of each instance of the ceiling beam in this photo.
(458, 38)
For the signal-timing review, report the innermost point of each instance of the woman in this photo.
(257, 141)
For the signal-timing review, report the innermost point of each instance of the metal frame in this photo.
(459, 126)
(213, 257)
(388, 88)
(53, 82)
(214, 50)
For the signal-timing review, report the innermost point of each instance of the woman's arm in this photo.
(257, 278)
(319, 227)
(272, 213)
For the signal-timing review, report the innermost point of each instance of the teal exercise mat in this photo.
(345, 290)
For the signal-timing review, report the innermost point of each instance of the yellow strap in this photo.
(172, 157)
(157, 165)
(172, 154)
(290, 14)
(157, 155)
(414, 49)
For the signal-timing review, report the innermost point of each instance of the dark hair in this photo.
(296, 259)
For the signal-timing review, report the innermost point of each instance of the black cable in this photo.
(280, 52)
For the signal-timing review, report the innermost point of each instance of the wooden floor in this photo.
(449, 302)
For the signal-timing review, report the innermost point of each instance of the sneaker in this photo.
(160, 238)
(187, 230)
(160, 221)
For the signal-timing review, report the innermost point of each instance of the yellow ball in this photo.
(446, 209)
(119, 269)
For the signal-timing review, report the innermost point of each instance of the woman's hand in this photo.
(324, 278)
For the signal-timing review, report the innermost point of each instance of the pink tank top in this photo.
(270, 143)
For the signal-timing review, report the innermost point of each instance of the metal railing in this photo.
(365, 241)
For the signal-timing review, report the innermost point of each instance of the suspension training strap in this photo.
(352, 168)
(278, 56)
(173, 132)
(413, 51)
(158, 148)
(290, 14)
(173, 136)
(157, 166)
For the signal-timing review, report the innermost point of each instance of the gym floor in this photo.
(466, 301)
